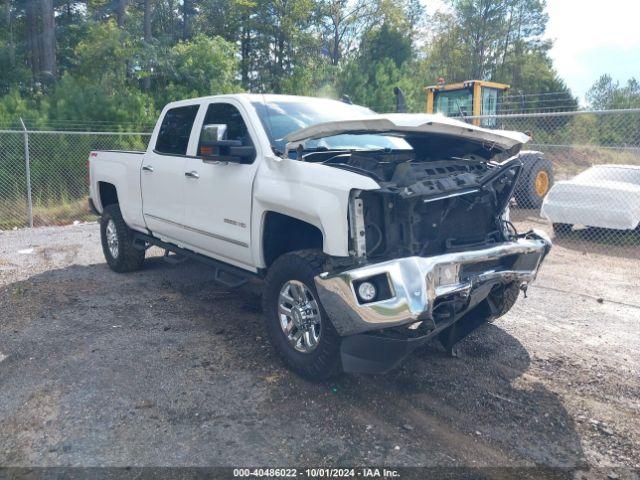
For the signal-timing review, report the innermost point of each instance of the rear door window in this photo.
(173, 138)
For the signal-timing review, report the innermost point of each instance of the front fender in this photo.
(311, 192)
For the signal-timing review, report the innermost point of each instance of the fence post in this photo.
(28, 173)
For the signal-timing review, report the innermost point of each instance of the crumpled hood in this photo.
(408, 124)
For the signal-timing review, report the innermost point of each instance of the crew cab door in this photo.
(218, 193)
(162, 177)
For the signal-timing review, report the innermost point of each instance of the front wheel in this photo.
(499, 301)
(117, 242)
(298, 326)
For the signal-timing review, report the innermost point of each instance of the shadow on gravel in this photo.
(163, 367)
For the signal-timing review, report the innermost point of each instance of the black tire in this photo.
(499, 301)
(526, 193)
(324, 361)
(502, 299)
(128, 258)
(562, 229)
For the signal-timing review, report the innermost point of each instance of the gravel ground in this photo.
(163, 367)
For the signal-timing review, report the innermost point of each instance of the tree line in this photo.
(120, 61)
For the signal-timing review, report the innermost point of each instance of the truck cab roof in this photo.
(361, 120)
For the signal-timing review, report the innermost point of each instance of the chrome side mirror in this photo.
(214, 132)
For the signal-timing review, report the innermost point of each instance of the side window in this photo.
(175, 130)
(221, 114)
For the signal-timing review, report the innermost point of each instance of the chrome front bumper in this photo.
(415, 283)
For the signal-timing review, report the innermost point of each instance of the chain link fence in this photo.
(587, 166)
(591, 207)
(43, 174)
(588, 172)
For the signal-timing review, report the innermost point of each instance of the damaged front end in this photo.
(433, 253)
(435, 246)
(435, 207)
(418, 298)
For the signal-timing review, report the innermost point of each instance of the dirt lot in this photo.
(163, 367)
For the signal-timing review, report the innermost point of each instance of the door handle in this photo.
(147, 168)
(192, 174)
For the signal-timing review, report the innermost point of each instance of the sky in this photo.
(591, 37)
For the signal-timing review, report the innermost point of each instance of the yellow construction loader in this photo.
(477, 102)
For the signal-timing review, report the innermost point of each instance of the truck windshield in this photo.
(279, 118)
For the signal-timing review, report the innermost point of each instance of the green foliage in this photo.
(608, 94)
(14, 106)
(118, 63)
(493, 35)
(385, 61)
(499, 41)
(99, 87)
(199, 67)
(387, 42)
(103, 53)
(12, 76)
(100, 101)
(317, 81)
(373, 84)
(104, 82)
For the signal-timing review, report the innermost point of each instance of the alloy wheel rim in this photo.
(112, 239)
(299, 315)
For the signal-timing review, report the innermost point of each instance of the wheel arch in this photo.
(107, 194)
(282, 233)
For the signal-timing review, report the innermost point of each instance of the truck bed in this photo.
(121, 168)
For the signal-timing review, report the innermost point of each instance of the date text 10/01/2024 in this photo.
(316, 472)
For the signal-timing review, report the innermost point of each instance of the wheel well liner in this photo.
(282, 234)
(108, 194)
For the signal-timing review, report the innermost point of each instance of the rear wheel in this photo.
(117, 242)
(297, 325)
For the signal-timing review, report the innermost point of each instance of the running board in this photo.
(225, 274)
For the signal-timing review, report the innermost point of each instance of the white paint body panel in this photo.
(314, 193)
(221, 214)
(163, 194)
(218, 205)
(596, 202)
(121, 169)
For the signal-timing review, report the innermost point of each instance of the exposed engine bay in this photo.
(428, 206)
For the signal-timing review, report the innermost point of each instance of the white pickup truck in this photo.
(373, 233)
